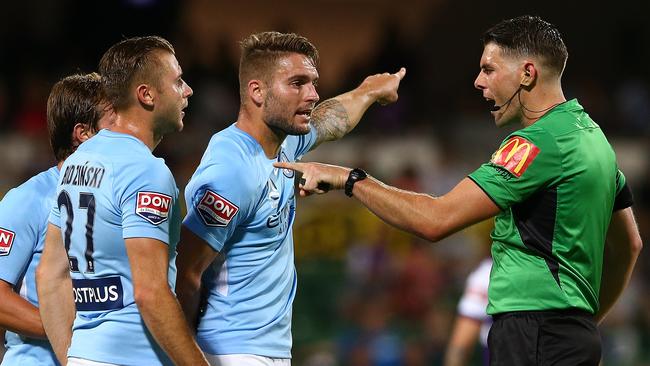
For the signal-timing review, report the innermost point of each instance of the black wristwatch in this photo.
(356, 175)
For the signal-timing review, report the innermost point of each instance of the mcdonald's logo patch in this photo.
(515, 155)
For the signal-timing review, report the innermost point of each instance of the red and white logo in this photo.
(216, 210)
(153, 207)
(6, 241)
(515, 155)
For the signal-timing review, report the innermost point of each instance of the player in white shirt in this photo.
(473, 323)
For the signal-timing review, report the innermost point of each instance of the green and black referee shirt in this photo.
(556, 183)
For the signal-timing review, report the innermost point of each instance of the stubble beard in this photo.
(171, 122)
(277, 117)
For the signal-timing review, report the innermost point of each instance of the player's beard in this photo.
(277, 116)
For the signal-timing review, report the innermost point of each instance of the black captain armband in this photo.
(623, 199)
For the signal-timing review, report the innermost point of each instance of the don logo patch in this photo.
(216, 210)
(515, 155)
(6, 241)
(153, 207)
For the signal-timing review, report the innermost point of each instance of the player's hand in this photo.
(383, 87)
(316, 177)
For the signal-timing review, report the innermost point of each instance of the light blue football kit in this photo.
(244, 208)
(23, 223)
(112, 188)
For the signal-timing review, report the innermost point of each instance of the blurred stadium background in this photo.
(368, 295)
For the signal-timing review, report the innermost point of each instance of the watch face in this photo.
(358, 174)
(355, 176)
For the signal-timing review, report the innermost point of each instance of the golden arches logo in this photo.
(515, 155)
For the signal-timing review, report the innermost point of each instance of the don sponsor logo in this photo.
(515, 155)
(153, 207)
(216, 210)
(98, 294)
(6, 241)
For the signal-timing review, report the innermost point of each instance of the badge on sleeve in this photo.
(6, 241)
(515, 155)
(153, 207)
(216, 210)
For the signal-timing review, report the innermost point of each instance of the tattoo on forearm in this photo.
(331, 120)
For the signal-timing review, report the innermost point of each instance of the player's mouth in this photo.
(305, 113)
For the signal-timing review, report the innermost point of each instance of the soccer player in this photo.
(472, 322)
(565, 240)
(117, 217)
(75, 112)
(238, 229)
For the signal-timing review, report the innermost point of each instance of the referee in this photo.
(565, 240)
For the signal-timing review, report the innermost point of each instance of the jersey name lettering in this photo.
(83, 175)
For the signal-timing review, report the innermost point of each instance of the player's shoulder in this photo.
(29, 203)
(149, 170)
(35, 189)
(117, 148)
(231, 146)
(229, 157)
(237, 179)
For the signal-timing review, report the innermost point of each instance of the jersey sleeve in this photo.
(218, 199)
(624, 198)
(54, 216)
(19, 233)
(148, 193)
(521, 166)
(304, 143)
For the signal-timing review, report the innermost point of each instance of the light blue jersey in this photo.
(23, 222)
(112, 188)
(244, 208)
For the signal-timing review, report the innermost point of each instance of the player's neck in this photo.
(269, 139)
(142, 129)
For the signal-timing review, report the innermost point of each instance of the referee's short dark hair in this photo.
(532, 36)
(74, 99)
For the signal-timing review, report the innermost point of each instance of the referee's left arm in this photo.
(622, 248)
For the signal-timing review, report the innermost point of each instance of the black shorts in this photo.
(563, 337)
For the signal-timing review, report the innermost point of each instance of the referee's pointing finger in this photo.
(293, 166)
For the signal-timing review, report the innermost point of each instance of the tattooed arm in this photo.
(337, 116)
